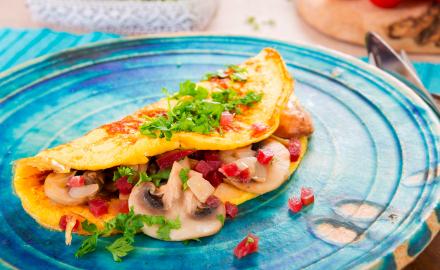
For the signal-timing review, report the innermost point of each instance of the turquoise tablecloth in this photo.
(18, 46)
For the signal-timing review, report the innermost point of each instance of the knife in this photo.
(381, 55)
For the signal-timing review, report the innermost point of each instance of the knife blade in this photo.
(381, 55)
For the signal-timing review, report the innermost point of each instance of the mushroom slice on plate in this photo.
(197, 218)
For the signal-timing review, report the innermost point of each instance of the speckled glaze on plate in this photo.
(373, 160)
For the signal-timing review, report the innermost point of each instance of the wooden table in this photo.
(231, 19)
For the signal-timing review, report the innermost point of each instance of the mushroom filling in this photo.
(166, 177)
(155, 200)
(203, 211)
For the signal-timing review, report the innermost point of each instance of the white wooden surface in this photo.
(231, 19)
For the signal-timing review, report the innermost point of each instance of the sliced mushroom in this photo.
(230, 156)
(94, 177)
(55, 187)
(85, 191)
(196, 218)
(154, 196)
(275, 173)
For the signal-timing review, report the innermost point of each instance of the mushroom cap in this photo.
(197, 220)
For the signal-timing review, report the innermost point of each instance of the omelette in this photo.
(238, 133)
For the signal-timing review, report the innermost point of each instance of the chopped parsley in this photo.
(155, 178)
(122, 171)
(230, 99)
(239, 74)
(89, 244)
(120, 248)
(187, 242)
(129, 224)
(250, 240)
(221, 218)
(194, 112)
(235, 73)
(183, 174)
(165, 228)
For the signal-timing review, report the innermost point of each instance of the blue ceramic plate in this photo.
(373, 160)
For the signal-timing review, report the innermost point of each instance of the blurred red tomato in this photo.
(386, 3)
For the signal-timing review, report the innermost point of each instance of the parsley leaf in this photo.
(186, 242)
(88, 245)
(120, 248)
(165, 225)
(221, 218)
(122, 171)
(234, 72)
(189, 88)
(183, 174)
(157, 177)
(164, 229)
(143, 177)
(89, 227)
(250, 240)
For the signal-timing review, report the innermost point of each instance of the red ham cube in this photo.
(123, 186)
(258, 129)
(213, 202)
(123, 207)
(204, 168)
(264, 156)
(214, 164)
(295, 204)
(215, 178)
(211, 155)
(231, 210)
(166, 160)
(226, 119)
(294, 148)
(246, 246)
(245, 176)
(307, 196)
(76, 181)
(230, 170)
(98, 207)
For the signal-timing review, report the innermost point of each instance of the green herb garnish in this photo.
(89, 244)
(129, 224)
(235, 73)
(186, 242)
(122, 171)
(120, 248)
(221, 218)
(165, 228)
(183, 174)
(194, 112)
(231, 101)
(155, 178)
(250, 240)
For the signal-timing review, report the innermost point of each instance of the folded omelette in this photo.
(236, 134)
